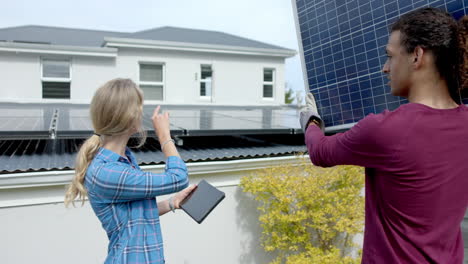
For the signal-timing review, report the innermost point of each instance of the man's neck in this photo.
(433, 93)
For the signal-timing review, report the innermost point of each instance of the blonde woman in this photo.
(121, 194)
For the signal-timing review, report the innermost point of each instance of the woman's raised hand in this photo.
(161, 124)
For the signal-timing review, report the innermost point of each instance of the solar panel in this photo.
(196, 120)
(344, 51)
(18, 121)
(268, 118)
(148, 124)
(73, 121)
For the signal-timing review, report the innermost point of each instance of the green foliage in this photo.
(289, 96)
(309, 214)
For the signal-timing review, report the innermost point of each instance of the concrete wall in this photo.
(237, 79)
(49, 233)
(35, 226)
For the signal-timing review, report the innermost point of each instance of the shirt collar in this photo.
(110, 156)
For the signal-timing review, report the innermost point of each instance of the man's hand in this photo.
(308, 112)
(310, 103)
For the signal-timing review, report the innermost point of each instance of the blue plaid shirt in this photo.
(123, 198)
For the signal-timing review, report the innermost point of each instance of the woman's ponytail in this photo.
(86, 154)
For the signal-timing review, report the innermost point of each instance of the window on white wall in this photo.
(206, 81)
(56, 78)
(268, 82)
(152, 81)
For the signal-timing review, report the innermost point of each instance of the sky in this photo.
(270, 21)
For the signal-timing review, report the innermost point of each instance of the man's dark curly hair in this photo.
(437, 31)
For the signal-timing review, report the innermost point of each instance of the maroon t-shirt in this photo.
(416, 160)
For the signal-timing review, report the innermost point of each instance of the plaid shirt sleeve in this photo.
(120, 182)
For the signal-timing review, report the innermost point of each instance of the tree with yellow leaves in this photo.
(309, 214)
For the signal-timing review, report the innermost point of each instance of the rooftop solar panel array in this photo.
(35, 121)
(344, 50)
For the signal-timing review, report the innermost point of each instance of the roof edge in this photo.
(66, 28)
(172, 45)
(58, 49)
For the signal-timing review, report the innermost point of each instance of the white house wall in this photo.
(237, 79)
(20, 76)
(88, 73)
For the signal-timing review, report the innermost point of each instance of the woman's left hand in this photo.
(180, 196)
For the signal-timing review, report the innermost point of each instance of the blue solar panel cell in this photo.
(344, 51)
(458, 14)
(366, 93)
(368, 101)
(391, 99)
(358, 114)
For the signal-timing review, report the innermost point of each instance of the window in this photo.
(152, 81)
(206, 81)
(268, 82)
(56, 78)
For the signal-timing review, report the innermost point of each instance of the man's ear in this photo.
(418, 56)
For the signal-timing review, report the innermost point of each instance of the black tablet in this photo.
(202, 201)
